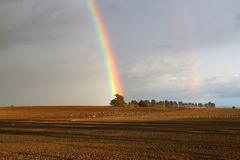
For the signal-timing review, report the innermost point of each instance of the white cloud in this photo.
(223, 87)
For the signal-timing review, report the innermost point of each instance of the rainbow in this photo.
(105, 44)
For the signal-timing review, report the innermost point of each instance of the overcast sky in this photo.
(186, 50)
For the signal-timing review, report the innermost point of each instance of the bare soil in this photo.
(70, 132)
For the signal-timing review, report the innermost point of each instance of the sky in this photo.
(183, 50)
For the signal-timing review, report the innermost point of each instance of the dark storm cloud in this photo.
(183, 24)
(45, 51)
(238, 17)
(38, 21)
(50, 46)
(2, 2)
(237, 22)
(164, 46)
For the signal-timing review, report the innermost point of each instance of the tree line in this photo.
(119, 101)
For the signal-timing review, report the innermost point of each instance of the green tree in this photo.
(142, 103)
(118, 101)
(167, 104)
(133, 103)
(211, 105)
(180, 104)
(200, 105)
(153, 102)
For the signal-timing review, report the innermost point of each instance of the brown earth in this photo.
(119, 133)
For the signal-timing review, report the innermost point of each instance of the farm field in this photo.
(119, 133)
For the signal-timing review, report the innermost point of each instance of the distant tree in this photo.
(180, 104)
(148, 103)
(118, 101)
(211, 105)
(233, 107)
(200, 105)
(170, 103)
(166, 103)
(133, 103)
(153, 102)
(142, 103)
(161, 103)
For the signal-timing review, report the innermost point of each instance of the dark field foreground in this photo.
(215, 137)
